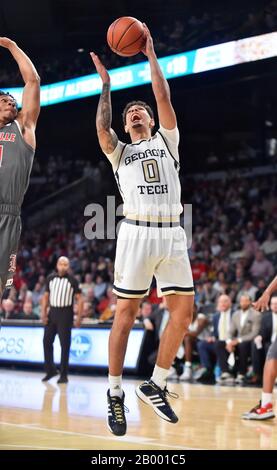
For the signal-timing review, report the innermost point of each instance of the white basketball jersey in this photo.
(147, 174)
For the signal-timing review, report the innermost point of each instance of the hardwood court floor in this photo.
(73, 416)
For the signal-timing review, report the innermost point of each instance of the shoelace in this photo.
(166, 393)
(256, 407)
(118, 409)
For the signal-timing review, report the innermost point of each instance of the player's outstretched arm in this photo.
(167, 116)
(263, 302)
(31, 94)
(106, 136)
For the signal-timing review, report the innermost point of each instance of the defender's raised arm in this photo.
(31, 93)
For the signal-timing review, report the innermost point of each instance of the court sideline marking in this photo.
(130, 439)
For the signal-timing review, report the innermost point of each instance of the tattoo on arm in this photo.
(107, 137)
(104, 110)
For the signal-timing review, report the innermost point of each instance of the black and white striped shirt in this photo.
(62, 290)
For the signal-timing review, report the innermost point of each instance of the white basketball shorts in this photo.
(143, 252)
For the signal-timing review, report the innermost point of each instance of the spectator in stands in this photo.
(239, 276)
(102, 267)
(215, 246)
(90, 297)
(220, 285)
(145, 311)
(269, 246)
(42, 281)
(247, 289)
(87, 312)
(9, 312)
(106, 306)
(261, 267)
(208, 348)
(28, 313)
(24, 294)
(100, 288)
(207, 297)
(251, 245)
(227, 268)
(197, 331)
(87, 284)
(199, 268)
(222, 326)
(31, 274)
(245, 325)
(156, 322)
(37, 294)
(108, 313)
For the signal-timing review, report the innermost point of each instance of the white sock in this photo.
(115, 382)
(159, 376)
(187, 364)
(267, 398)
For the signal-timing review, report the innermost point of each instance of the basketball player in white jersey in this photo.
(150, 241)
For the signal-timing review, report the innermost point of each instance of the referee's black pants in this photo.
(60, 320)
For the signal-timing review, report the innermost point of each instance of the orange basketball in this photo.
(126, 36)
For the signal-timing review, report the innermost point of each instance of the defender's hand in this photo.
(6, 42)
(262, 303)
(101, 69)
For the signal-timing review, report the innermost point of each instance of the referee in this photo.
(61, 288)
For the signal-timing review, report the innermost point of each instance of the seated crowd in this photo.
(227, 347)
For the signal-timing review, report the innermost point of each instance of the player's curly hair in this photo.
(138, 103)
(6, 93)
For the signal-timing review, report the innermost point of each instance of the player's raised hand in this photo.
(148, 49)
(262, 303)
(101, 69)
(6, 42)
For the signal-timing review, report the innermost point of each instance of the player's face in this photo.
(137, 118)
(8, 108)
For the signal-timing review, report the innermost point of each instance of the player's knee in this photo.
(181, 322)
(127, 310)
(126, 324)
(125, 317)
